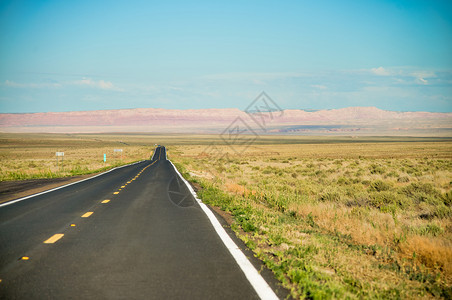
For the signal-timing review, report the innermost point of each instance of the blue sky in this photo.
(86, 55)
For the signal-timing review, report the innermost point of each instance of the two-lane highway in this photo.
(135, 232)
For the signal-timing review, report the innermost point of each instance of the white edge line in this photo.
(66, 185)
(259, 284)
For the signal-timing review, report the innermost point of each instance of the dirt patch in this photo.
(225, 215)
(196, 186)
(10, 190)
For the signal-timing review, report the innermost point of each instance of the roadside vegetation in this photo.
(332, 217)
(33, 156)
(343, 220)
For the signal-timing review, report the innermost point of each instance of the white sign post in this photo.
(118, 150)
(57, 154)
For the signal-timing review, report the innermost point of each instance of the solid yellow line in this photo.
(54, 238)
(105, 201)
(86, 215)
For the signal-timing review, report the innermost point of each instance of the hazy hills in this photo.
(345, 121)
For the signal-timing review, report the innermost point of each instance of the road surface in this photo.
(133, 233)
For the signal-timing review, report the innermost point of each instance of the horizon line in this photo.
(211, 108)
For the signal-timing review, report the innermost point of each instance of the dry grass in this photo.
(332, 217)
(340, 219)
(33, 156)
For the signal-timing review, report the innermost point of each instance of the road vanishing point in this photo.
(135, 232)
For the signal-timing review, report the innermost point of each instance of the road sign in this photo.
(58, 154)
(118, 150)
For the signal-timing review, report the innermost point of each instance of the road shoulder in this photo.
(226, 220)
(15, 189)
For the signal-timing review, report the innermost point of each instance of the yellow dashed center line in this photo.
(54, 238)
(58, 236)
(86, 215)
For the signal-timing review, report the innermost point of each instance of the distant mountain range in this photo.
(344, 121)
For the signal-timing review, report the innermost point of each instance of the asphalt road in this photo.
(133, 233)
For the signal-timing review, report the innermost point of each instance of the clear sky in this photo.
(86, 55)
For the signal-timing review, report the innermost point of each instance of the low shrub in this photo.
(330, 196)
(418, 187)
(430, 229)
(384, 198)
(447, 198)
(380, 186)
(377, 169)
(442, 212)
(403, 179)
